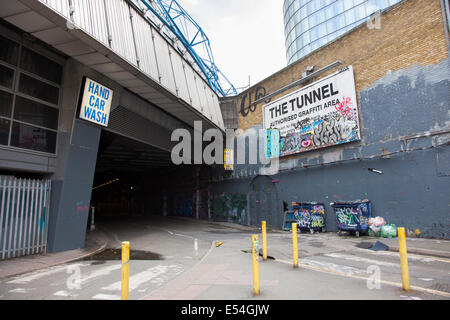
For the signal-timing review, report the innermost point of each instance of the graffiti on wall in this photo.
(247, 105)
(309, 216)
(320, 132)
(184, 204)
(347, 217)
(231, 206)
(319, 115)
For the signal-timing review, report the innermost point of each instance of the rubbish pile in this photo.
(378, 227)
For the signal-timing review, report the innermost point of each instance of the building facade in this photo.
(86, 114)
(363, 117)
(311, 24)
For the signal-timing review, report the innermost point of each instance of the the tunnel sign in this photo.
(96, 103)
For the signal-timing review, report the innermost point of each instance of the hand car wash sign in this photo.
(320, 115)
(96, 103)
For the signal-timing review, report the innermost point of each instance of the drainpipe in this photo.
(445, 17)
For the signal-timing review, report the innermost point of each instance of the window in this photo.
(6, 101)
(33, 138)
(38, 89)
(9, 51)
(40, 65)
(6, 76)
(4, 131)
(29, 97)
(36, 113)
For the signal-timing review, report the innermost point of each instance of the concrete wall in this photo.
(403, 86)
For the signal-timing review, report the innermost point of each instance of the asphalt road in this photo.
(189, 266)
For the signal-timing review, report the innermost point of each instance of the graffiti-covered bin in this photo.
(353, 215)
(310, 216)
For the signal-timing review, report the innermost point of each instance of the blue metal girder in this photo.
(174, 17)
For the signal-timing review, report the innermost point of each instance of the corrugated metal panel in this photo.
(145, 47)
(218, 110)
(201, 86)
(164, 63)
(180, 77)
(60, 6)
(120, 27)
(192, 87)
(90, 16)
(119, 23)
(210, 101)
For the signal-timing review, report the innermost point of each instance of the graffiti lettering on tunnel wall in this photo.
(248, 98)
(317, 116)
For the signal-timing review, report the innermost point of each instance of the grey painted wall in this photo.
(405, 120)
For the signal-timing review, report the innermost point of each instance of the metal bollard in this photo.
(403, 258)
(264, 240)
(125, 270)
(255, 265)
(295, 244)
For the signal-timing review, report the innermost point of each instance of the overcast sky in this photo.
(246, 36)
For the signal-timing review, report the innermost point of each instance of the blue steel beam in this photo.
(177, 20)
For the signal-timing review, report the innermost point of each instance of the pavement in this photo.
(96, 241)
(193, 267)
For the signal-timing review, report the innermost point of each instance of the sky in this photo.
(246, 36)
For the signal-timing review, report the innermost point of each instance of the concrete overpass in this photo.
(157, 88)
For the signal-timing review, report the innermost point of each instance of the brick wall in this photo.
(411, 33)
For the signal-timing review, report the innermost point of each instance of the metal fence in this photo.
(24, 211)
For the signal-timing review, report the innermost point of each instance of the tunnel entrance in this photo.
(136, 180)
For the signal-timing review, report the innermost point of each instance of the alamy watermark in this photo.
(262, 150)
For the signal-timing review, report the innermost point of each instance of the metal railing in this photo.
(24, 212)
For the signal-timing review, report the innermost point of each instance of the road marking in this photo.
(101, 296)
(360, 259)
(40, 274)
(333, 266)
(142, 277)
(20, 290)
(99, 273)
(64, 293)
(411, 256)
(197, 264)
(350, 275)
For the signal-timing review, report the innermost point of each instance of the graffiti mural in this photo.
(320, 115)
(347, 217)
(231, 207)
(320, 132)
(309, 215)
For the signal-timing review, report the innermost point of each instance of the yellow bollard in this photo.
(125, 270)
(264, 240)
(403, 258)
(255, 265)
(295, 244)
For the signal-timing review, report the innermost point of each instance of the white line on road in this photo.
(101, 296)
(99, 273)
(64, 293)
(360, 259)
(20, 290)
(142, 277)
(40, 274)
